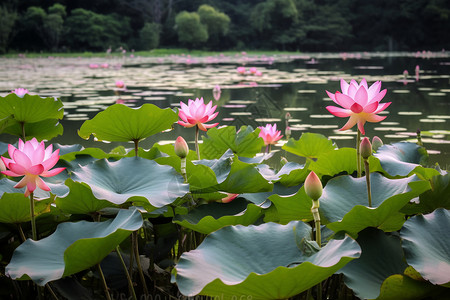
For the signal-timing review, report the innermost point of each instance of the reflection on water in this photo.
(288, 83)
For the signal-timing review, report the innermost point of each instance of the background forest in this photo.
(294, 25)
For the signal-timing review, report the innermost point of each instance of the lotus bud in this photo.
(313, 186)
(365, 148)
(229, 198)
(120, 84)
(216, 92)
(288, 116)
(288, 132)
(181, 147)
(376, 143)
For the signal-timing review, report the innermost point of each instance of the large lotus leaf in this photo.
(262, 261)
(426, 241)
(290, 174)
(262, 199)
(80, 199)
(212, 216)
(3, 147)
(400, 159)
(73, 247)
(438, 196)
(293, 207)
(42, 130)
(204, 174)
(132, 179)
(381, 257)
(246, 142)
(96, 153)
(15, 208)
(120, 123)
(335, 162)
(310, 145)
(30, 108)
(403, 287)
(344, 202)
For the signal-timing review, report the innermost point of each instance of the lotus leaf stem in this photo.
(367, 170)
(136, 145)
(130, 283)
(138, 262)
(105, 286)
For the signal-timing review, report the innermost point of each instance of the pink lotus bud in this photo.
(181, 147)
(365, 148)
(288, 131)
(288, 116)
(241, 70)
(229, 197)
(376, 143)
(313, 186)
(253, 70)
(258, 73)
(93, 66)
(217, 92)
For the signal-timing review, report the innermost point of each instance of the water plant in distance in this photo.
(232, 224)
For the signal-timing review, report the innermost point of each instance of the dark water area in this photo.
(294, 84)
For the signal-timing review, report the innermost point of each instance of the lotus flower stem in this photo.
(196, 142)
(33, 219)
(138, 262)
(51, 291)
(183, 169)
(22, 235)
(316, 215)
(358, 154)
(22, 125)
(130, 283)
(105, 286)
(367, 169)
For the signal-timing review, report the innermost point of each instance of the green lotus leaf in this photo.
(68, 155)
(42, 130)
(15, 208)
(426, 242)
(290, 174)
(335, 162)
(403, 287)
(400, 159)
(310, 145)
(435, 198)
(262, 199)
(261, 262)
(344, 202)
(381, 257)
(212, 216)
(246, 142)
(73, 247)
(3, 147)
(132, 179)
(80, 199)
(30, 108)
(120, 123)
(293, 207)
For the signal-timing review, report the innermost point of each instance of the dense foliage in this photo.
(303, 25)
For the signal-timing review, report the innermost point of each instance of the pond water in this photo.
(289, 83)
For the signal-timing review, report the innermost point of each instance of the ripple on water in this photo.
(295, 109)
(409, 113)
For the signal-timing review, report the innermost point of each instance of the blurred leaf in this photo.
(42, 130)
(15, 208)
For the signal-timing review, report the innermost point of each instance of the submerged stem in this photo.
(367, 170)
(138, 262)
(196, 142)
(105, 286)
(358, 153)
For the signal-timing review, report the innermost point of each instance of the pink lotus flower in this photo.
(197, 113)
(253, 70)
(31, 160)
(120, 84)
(217, 92)
(20, 92)
(270, 134)
(360, 102)
(241, 70)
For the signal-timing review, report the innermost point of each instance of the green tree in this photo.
(87, 30)
(149, 36)
(191, 32)
(7, 20)
(217, 24)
